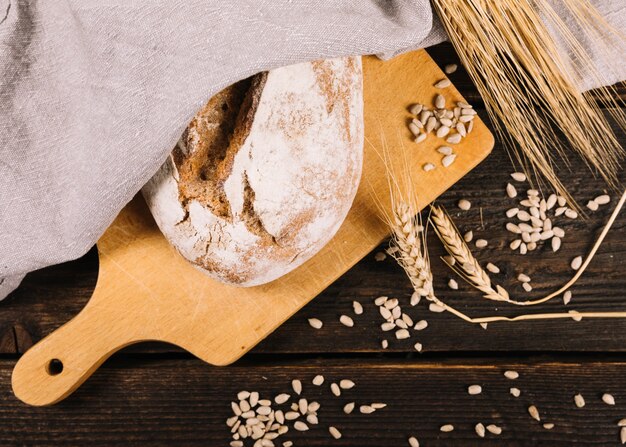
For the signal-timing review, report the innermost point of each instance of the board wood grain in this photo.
(146, 291)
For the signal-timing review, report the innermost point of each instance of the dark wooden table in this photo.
(155, 394)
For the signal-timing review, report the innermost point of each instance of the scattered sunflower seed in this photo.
(512, 375)
(480, 430)
(453, 284)
(428, 167)
(318, 380)
(297, 386)
(450, 68)
(334, 388)
(608, 399)
(576, 262)
(567, 297)
(435, 308)
(346, 384)
(464, 204)
(346, 321)
(445, 150)
(384, 344)
(366, 409)
(421, 325)
(443, 83)
(421, 137)
(534, 413)
(357, 307)
(603, 199)
(454, 139)
(334, 432)
(474, 389)
(519, 176)
(548, 425)
(511, 191)
(300, 426)
(418, 347)
(515, 392)
(413, 442)
(579, 400)
(446, 428)
(282, 398)
(556, 243)
(593, 205)
(315, 323)
(348, 408)
(448, 159)
(622, 435)
(494, 429)
(527, 287)
(493, 268)
(481, 243)
(402, 334)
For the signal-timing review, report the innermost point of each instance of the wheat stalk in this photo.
(529, 89)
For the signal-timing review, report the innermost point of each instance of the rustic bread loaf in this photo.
(265, 173)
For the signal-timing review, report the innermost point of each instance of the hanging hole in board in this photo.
(54, 367)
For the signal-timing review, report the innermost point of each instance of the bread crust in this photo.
(265, 173)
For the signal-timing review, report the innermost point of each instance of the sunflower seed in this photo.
(592, 205)
(576, 262)
(576, 316)
(415, 109)
(523, 216)
(621, 423)
(448, 160)
(467, 119)
(534, 413)
(236, 409)
(388, 326)
(402, 334)
(445, 150)
(366, 409)
(380, 300)
(481, 243)
(572, 214)
(480, 430)
(297, 386)
(464, 204)
(548, 425)
(300, 426)
(346, 384)
(511, 191)
(378, 405)
(579, 400)
(282, 398)
(450, 68)
(428, 167)
(453, 284)
(512, 375)
(346, 321)
(421, 325)
(418, 347)
(567, 297)
(292, 415)
(236, 444)
(556, 243)
(493, 268)
(460, 128)
(446, 428)
(415, 128)
(514, 245)
(603, 199)
(474, 389)
(443, 83)
(348, 408)
(312, 419)
(494, 429)
(241, 395)
(511, 227)
(523, 248)
(303, 406)
(384, 312)
(515, 392)
(608, 399)
(421, 137)
(334, 432)
(431, 124)
(315, 323)
(435, 308)
(483, 325)
(334, 388)
(391, 303)
(442, 131)
(287, 444)
(622, 435)
(413, 442)
(357, 307)
(454, 139)
(519, 176)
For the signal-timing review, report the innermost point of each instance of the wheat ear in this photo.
(464, 263)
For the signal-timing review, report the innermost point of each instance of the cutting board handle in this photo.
(61, 362)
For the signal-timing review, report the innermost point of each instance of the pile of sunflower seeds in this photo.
(264, 420)
(453, 124)
(398, 321)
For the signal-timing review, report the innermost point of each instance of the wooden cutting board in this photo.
(147, 291)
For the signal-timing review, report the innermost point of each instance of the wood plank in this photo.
(186, 402)
(444, 54)
(52, 296)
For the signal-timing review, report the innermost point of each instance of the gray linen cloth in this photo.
(95, 93)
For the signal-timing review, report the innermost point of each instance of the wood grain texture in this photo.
(186, 402)
(146, 291)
